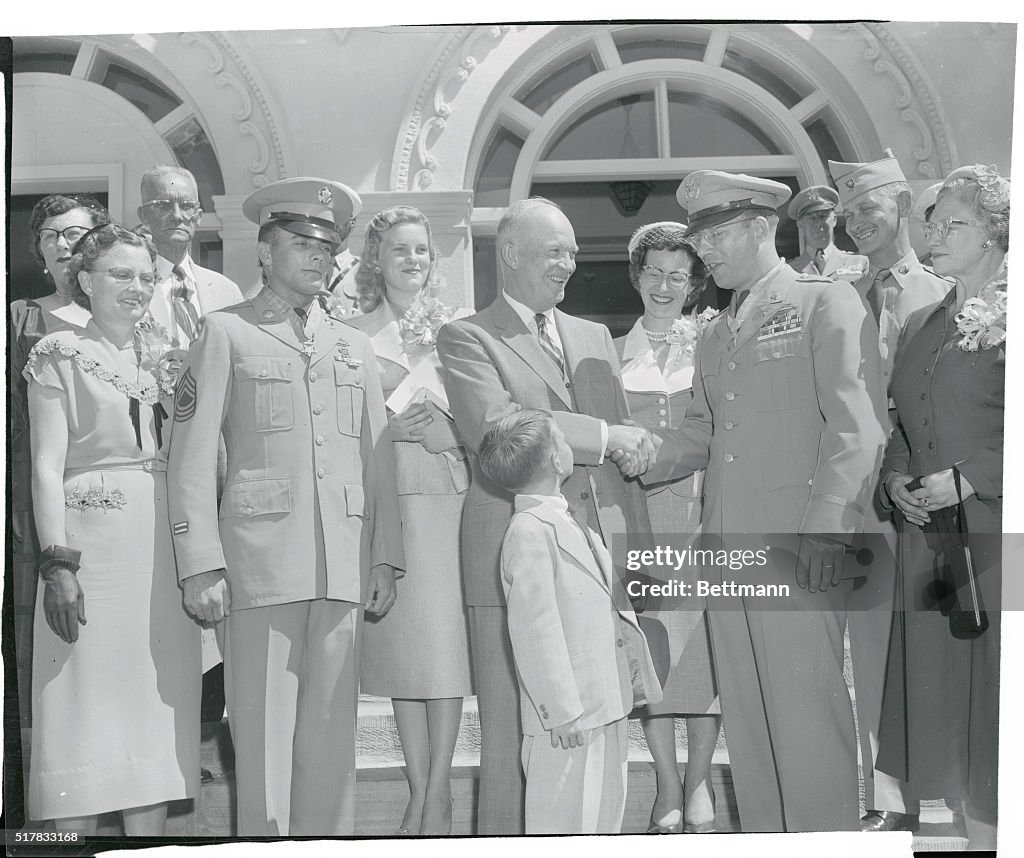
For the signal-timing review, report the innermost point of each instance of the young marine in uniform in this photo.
(307, 534)
(581, 661)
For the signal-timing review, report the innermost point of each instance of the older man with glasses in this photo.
(787, 420)
(185, 291)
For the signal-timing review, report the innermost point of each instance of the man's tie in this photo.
(548, 344)
(819, 260)
(876, 293)
(185, 315)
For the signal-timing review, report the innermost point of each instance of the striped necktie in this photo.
(548, 344)
(186, 317)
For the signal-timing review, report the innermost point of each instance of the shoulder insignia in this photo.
(185, 397)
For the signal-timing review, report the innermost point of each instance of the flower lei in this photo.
(982, 320)
(424, 318)
(159, 353)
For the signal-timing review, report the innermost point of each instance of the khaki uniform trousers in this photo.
(291, 681)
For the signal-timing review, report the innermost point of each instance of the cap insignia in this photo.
(325, 196)
(691, 187)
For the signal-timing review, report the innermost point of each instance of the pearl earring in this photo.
(986, 244)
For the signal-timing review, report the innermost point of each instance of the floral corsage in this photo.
(159, 353)
(703, 319)
(424, 318)
(982, 321)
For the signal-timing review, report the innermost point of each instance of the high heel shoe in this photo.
(670, 823)
(709, 827)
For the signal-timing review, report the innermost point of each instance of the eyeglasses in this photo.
(940, 229)
(189, 208)
(653, 276)
(125, 276)
(71, 234)
(712, 235)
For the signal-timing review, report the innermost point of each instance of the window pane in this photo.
(653, 49)
(146, 94)
(554, 84)
(700, 126)
(54, 62)
(784, 91)
(496, 171)
(823, 141)
(194, 152)
(622, 128)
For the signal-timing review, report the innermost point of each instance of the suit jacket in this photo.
(214, 291)
(787, 416)
(576, 655)
(310, 503)
(495, 365)
(839, 264)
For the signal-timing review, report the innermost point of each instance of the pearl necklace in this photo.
(656, 336)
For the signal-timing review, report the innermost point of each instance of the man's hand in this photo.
(410, 424)
(631, 448)
(907, 502)
(63, 603)
(820, 563)
(569, 735)
(207, 596)
(380, 590)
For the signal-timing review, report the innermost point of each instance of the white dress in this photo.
(115, 714)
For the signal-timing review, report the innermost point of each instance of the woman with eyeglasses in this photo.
(116, 667)
(57, 221)
(943, 475)
(657, 373)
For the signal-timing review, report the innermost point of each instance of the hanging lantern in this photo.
(629, 197)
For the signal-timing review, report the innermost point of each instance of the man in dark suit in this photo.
(522, 353)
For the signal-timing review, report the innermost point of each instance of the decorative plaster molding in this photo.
(245, 86)
(927, 116)
(433, 106)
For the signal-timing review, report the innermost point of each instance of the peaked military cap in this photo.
(317, 208)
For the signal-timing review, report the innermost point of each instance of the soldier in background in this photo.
(814, 210)
(877, 201)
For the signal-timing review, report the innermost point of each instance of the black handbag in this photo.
(955, 588)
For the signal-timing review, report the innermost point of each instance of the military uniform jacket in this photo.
(495, 365)
(787, 415)
(839, 264)
(310, 503)
(916, 287)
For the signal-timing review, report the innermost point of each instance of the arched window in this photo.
(169, 113)
(610, 125)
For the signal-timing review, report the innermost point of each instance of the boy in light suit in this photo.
(581, 660)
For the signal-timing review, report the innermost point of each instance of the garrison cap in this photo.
(816, 198)
(317, 208)
(852, 180)
(711, 197)
(925, 202)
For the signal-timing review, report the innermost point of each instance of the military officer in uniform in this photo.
(814, 210)
(786, 419)
(878, 203)
(308, 532)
